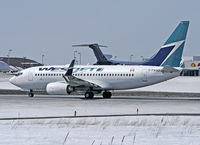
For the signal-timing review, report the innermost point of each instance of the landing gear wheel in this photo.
(107, 95)
(31, 94)
(89, 95)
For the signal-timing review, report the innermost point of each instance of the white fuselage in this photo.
(108, 77)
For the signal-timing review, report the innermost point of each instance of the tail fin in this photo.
(172, 50)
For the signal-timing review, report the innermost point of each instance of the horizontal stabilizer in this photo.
(89, 45)
(169, 69)
(108, 56)
(97, 51)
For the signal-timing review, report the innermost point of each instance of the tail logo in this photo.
(174, 50)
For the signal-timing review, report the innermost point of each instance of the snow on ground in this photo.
(102, 131)
(137, 130)
(181, 84)
(5, 84)
(8, 86)
(5, 77)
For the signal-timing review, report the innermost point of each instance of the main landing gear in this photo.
(31, 94)
(107, 95)
(89, 95)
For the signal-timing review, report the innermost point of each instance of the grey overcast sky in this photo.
(50, 27)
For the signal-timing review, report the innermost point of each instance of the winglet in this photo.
(70, 69)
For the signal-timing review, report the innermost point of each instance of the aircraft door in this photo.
(144, 76)
(30, 75)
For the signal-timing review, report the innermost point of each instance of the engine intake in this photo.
(58, 88)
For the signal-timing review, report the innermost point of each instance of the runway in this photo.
(16, 106)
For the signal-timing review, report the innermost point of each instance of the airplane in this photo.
(91, 79)
(171, 50)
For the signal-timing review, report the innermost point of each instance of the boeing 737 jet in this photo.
(91, 79)
(173, 47)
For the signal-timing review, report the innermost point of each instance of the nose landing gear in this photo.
(31, 94)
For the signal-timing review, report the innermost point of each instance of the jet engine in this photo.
(59, 88)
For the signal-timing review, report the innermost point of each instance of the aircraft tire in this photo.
(89, 95)
(30, 94)
(107, 95)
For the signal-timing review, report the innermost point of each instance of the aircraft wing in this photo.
(76, 82)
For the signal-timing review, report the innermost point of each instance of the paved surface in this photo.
(45, 105)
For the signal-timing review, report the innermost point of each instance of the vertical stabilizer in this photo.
(171, 52)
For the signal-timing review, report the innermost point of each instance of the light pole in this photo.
(142, 57)
(8, 55)
(42, 59)
(131, 57)
(79, 57)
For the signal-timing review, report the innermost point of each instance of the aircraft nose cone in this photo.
(13, 80)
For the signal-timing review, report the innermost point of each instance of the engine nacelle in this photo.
(58, 88)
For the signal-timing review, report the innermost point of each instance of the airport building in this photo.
(17, 63)
(192, 65)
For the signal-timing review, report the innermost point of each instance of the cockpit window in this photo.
(18, 74)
